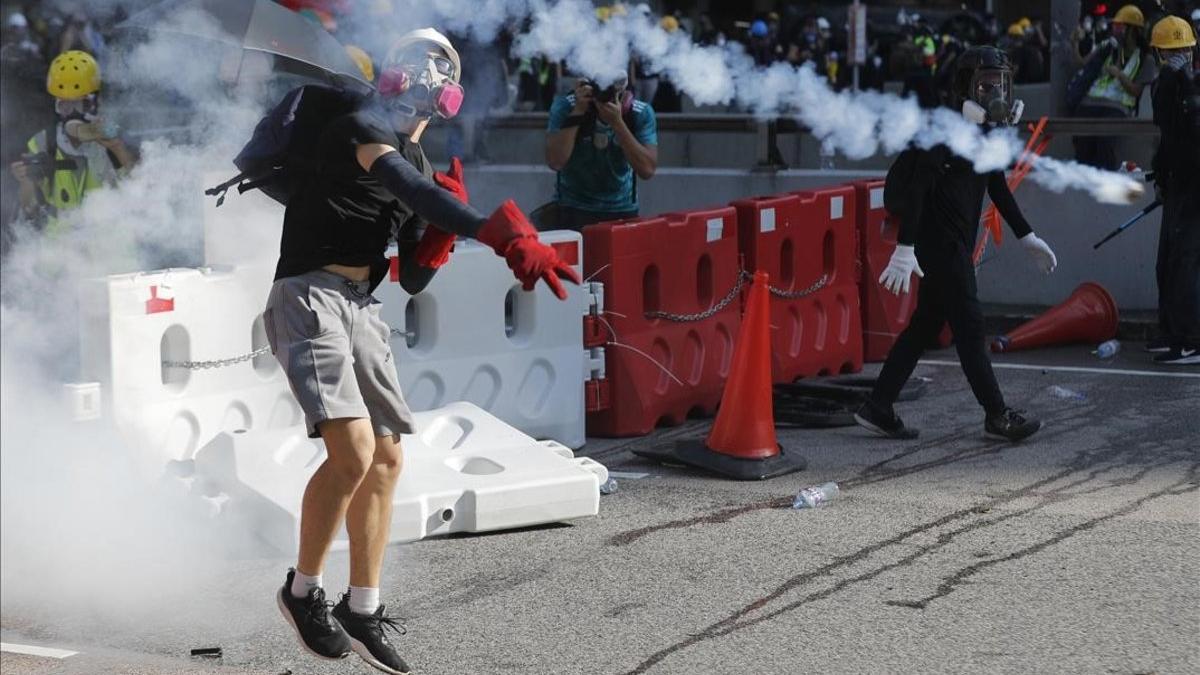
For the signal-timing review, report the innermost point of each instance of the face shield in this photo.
(990, 98)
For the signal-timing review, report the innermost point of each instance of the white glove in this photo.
(896, 278)
(1041, 253)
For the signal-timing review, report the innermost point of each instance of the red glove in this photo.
(435, 246)
(511, 236)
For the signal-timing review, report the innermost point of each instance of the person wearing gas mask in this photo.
(79, 153)
(1127, 67)
(600, 140)
(323, 325)
(937, 198)
(1176, 165)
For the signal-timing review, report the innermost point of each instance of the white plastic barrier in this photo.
(474, 335)
(171, 350)
(464, 471)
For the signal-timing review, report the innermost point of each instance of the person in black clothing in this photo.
(323, 325)
(938, 225)
(1176, 164)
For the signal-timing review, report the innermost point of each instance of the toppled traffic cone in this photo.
(1088, 315)
(742, 442)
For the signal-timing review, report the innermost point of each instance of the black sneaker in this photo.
(1158, 346)
(1012, 425)
(883, 422)
(319, 634)
(367, 636)
(1180, 356)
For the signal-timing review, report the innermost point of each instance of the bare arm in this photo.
(560, 144)
(643, 158)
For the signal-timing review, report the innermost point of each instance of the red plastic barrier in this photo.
(659, 370)
(796, 239)
(884, 314)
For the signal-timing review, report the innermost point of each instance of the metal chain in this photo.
(700, 316)
(743, 276)
(792, 295)
(216, 363)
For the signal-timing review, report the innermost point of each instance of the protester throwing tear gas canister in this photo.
(937, 198)
(78, 153)
(1176, 164)
(324, 328)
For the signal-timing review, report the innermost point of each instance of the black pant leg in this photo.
(1181, 213)
(963, 311)
(1165, 329)
(923, 327)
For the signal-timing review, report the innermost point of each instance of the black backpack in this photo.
(281, 155)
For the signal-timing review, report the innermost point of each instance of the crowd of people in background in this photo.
(913, 51)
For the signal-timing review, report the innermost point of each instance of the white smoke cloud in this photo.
(857, 124)
(81, 527)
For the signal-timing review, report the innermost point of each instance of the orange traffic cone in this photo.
(1089, 315)
(742, 442)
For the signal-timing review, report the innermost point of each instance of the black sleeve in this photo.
(920, 169)
(424, 197)
(359, 128)
(1006, 205)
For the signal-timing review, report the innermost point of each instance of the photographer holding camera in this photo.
(597, 139)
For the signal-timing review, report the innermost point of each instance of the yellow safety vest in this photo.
(1109, 88)
(65, 188)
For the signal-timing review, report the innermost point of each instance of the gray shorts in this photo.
(326, 332)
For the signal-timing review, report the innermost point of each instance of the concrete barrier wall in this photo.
(1069, 222)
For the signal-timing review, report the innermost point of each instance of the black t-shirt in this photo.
(950, 195)
(345, 216)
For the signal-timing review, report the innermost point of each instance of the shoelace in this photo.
(377, 622)
(319, 609)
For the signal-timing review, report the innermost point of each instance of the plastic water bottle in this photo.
(1064, 393)
(1108, 349)
(812, 497)
(609, 486)
(827, 154)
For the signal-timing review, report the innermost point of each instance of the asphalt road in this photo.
(1075, 552)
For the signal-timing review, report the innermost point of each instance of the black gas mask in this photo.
(983, 82)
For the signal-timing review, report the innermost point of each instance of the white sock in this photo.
(364, 600)
(302, 584)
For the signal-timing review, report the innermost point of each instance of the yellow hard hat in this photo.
(1015, 30)
(363, 60)
(73, 74)
(1172, 32)
(669, 23)
(1130, 15)
(603, 13)
(1024, 22)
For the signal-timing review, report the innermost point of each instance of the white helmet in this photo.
(425, 85)
(418, 36)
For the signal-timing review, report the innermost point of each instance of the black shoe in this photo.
(883, 422)
(310, 617)
(1180, 356)
(367, 637)
(1158, 346)
(1012, 425)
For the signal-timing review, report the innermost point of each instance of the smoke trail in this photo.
(858, 124)
(82, 531)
